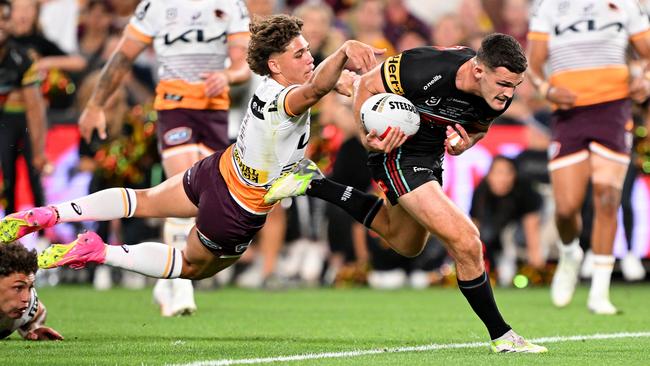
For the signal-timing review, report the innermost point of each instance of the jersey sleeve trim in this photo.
(286, 108)
(640, 35)
(390, 75)
(538, 36)
(134, 33)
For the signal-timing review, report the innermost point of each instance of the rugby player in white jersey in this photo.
(225, 192)
(585, 45)
(20, 309)
(192, 41)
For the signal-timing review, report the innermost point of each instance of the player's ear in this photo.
(478, 69)
(274, 66)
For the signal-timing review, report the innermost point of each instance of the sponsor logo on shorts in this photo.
(554, 150)
(178, 135)
(346, 194)
(382, 186)
(240, 248)
(125, 248)
(421, 169)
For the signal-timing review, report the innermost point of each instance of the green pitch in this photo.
(122, 327)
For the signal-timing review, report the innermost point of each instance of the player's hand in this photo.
(640, 89)
(345, 85)
(92, 118)
(215, 82)
(562, 97)
(457, 140)
(41, 164)
(362, 56)
(393, 139)
(43, 334)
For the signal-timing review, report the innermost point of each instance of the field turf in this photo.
(235, 326)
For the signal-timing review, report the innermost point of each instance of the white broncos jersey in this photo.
(8, 325)
(271, 141)
(190, 37)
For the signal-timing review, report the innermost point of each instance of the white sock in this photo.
(569, 248)
(601, 278)
(109, 204)
(150, 259)
(175, 232)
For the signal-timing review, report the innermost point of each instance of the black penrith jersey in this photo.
(427, 77)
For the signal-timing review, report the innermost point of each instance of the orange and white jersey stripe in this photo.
(190, 37)
(587, 42)
(270, 142)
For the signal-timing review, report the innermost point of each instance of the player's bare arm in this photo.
(369, 85)
(36, 330)
(36, 123)
(111, 76)
(326, 75)
(537, 56)
(238, 72)
(640, 85)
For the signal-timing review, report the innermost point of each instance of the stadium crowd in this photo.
(306, 242)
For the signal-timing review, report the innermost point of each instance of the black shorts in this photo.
(224, 227)
(400, 172)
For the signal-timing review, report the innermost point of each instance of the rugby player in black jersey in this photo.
(458, 92)
(17, 74)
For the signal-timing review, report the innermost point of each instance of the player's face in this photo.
(498, 86)
(5, 15)
(15, 291)
(296, 63)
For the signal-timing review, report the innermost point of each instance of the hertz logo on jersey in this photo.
(391, 74)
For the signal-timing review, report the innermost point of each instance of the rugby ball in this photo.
(384, 111)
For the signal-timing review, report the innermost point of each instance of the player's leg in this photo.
(429, 205)
(569, 189)
(608, 173)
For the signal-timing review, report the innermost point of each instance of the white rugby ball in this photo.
(385, 110)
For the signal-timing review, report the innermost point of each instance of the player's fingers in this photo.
(379, 51)
(101, 130)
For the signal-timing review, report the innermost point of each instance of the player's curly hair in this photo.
(502, 50)
(15, 258)
(268, 36)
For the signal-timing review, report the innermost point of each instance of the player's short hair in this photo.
(502, 50)
(15, 258)
(270, 35)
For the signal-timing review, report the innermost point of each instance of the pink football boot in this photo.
(88, 248)
(19, 224)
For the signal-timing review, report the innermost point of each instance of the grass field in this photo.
(235, 326)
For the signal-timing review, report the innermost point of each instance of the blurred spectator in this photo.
(515, 19)
(60, 29)
(410, 40)
(448, 31)
(474, 17)
(367, 22)
(400, 20)
(318, 30)
(95, 30)
(22, 114)
(502, 201)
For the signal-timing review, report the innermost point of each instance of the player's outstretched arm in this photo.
(360, 55)
(110, 78)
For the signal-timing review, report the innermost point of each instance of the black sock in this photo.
(478, 293)
(362, 206)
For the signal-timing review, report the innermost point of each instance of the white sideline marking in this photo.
(427, 347)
